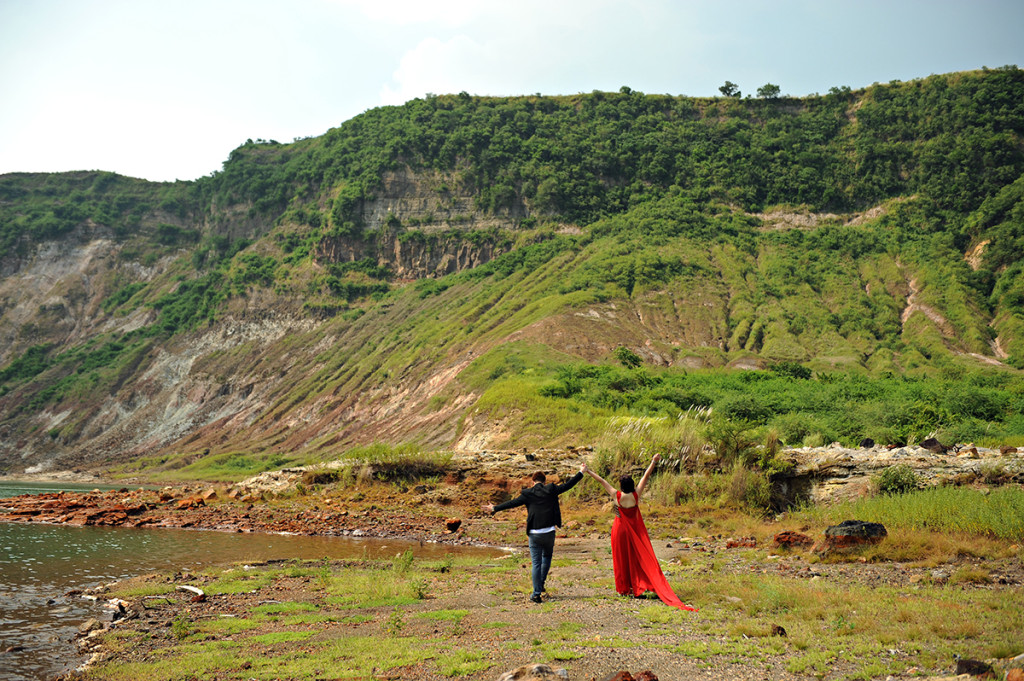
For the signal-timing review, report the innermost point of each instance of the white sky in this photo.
(166, 89)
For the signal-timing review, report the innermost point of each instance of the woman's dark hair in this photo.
(626, 484)
(539, 476)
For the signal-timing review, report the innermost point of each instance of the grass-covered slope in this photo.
(437, 272)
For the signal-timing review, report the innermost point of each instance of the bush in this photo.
(794, 427)
(742, 407)
(731, 440)
(748, 489)
(897, 480)
(792, 369)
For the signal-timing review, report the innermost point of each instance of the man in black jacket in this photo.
(543, 515)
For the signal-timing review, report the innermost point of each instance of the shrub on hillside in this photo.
(897, 480)
(749, 489)
(794, 428)
(731, 440)
(743, 407)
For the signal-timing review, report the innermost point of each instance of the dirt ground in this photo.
(582, 626)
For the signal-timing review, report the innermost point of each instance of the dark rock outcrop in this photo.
(853, 534)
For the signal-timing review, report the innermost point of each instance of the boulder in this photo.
(1007, 449)
(788, 539)
(933, 445)
(975, 668)
(853, 534)
(190, 502)
(453, 524)
(867, 443)
(91, 624)
(534, 672)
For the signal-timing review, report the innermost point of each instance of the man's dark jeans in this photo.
(541, 548)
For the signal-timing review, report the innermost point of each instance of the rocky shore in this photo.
(286, 501)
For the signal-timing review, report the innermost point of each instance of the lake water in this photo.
(39, 564)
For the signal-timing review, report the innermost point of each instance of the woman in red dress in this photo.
(636, 567)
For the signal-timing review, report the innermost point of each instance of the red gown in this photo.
(636, 567)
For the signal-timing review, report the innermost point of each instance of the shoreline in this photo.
(450, 514)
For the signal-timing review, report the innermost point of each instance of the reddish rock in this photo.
(1007, 449)
(789, 539)
(453, 524)
(209, 494)
(1015, 674)
(190, 502)
(646, 675)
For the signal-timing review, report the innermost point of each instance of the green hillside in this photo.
(492, 271)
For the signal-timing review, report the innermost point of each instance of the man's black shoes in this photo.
(536, 598)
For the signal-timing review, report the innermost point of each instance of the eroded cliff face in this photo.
(231, 384)
(425, 256)
(55, 294)
(422, 225)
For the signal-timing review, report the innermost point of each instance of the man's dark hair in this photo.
(626, 484)
(539, 477)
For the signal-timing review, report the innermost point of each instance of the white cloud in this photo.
(441, 67)
(167, 141)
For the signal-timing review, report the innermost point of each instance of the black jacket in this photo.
(541, 503)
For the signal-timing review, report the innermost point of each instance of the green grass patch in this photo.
(998, 513)
(495, 625)
(280, 637)
(238, 581)
(279, 608)
(228, 626)
(375, 588)
(462, 663)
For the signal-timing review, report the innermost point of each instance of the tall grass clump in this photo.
(998, 513)
(399, 462)
(630, 443)
(703, 489)
(749, 489)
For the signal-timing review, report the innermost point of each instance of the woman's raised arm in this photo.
(647, 474)
(595, 476)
